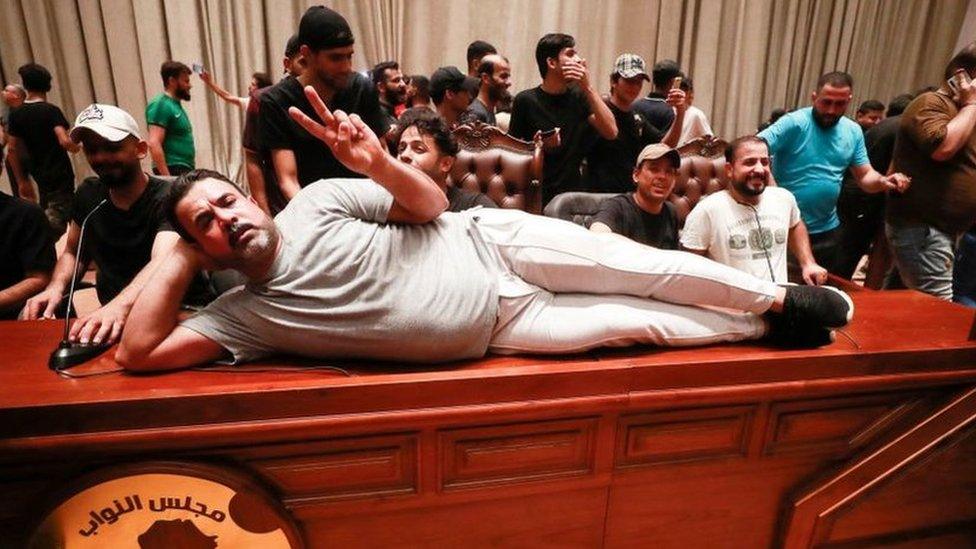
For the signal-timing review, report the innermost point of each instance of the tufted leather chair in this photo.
(576, 207)
(702, 173)
(506, 169)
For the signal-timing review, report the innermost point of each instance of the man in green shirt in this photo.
(170, 132)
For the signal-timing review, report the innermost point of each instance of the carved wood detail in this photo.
(812, 513)
(503, 454)
(340, 468)
(687, 435)
(832, 425)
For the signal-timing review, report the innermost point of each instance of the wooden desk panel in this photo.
(728, 445)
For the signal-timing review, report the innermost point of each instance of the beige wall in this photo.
(746, 56)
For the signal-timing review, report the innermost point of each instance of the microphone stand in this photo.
(70, 354)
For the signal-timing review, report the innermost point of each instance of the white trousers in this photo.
(565, 289)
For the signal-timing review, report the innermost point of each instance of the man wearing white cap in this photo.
(645, 215)
(123, 237)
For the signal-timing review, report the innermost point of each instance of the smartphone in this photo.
(958, 78)
(198, 68)
(676, 84)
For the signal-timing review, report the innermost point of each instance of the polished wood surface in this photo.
(722, 446)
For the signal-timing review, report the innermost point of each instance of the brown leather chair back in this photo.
(506, 169)
(702, 173)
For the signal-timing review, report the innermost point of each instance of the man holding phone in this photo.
(170, 133)
(565, 100)
(936, 146)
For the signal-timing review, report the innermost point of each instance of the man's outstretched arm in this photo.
(416, 198)
(152, 340)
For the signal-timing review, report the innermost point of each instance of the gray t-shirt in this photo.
(347, 284)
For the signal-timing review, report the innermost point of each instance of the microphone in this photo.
(70, 354)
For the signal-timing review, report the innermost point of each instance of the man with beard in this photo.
(170, 133)
(122, 238)
(811, 149)
(391, 87)
(495, 76)
(326, 51)
(749, 225)
(375, 269)
(645, 215)
(426, 143)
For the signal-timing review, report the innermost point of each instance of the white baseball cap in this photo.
(108, 121)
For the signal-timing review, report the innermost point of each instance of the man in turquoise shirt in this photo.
(170, 133)
(811, 149)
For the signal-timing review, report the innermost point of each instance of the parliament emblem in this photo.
(166, 505)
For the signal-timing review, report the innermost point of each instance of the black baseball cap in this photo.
(446, 78)
(322, 28)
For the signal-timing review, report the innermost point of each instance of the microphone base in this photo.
(71, 354)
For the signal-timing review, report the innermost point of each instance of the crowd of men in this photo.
(344, 247)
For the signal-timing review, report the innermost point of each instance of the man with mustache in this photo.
(377, 269)
(645, 215)
(750, 224)
(122, 238)
(170, 133)
(811, 149)
(326, 49)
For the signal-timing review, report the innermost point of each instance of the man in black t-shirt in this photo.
(390, 86)
(610, 162)
(655, 107)
(38, 132)
(425, 142)
(645, 215)
(565, 101)
(126, 238)
(326, 48)
(495, 77)
(450, 91)
(261, 177)
(26, 253)
(862, 214)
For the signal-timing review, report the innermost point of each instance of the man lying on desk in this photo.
(372, 269)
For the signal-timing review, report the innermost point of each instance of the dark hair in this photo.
(35, 77)
(664, 71)
(479, 49)
(898, 105)
(837, 79)
(965, 59)
(262, 79)
(549, 46)
(732, 148)
(776, 114)
(687, 85)
(488, 67)
(172, 69)
(178, 190)
(378, 74)
(431, 124)
(422, 84)
(292, 46)
(870, 105)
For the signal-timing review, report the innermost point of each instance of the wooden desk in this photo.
(863, 442)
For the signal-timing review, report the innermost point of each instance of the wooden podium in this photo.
(867, 442)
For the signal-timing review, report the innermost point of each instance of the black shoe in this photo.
(791, 335)
(817, 306)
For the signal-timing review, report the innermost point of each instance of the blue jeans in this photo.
(924, 258)
(964, 274)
